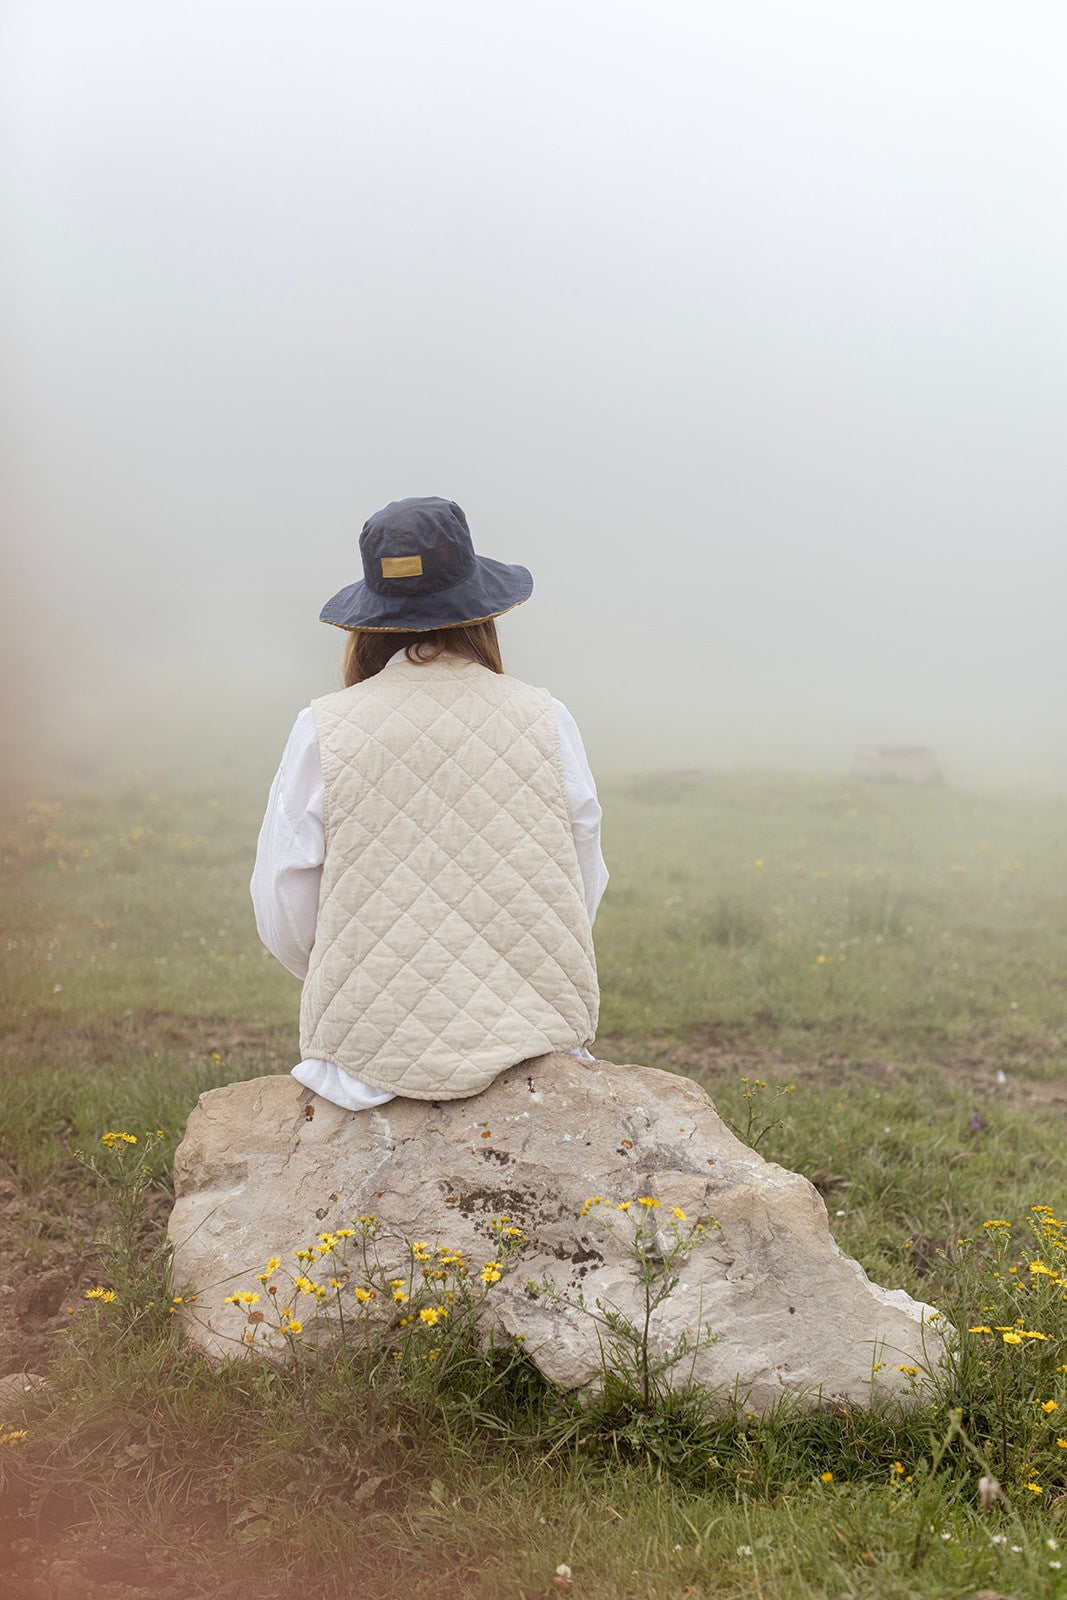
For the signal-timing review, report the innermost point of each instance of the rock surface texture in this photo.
(266, 1165)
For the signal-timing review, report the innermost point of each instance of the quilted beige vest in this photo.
(452, 938)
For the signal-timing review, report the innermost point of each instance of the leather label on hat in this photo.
(401, 566)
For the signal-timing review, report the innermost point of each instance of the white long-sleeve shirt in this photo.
(292, 848)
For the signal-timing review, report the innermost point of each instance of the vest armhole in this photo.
(557, 761)
(327, 783)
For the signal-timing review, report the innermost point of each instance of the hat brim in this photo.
(493, 588)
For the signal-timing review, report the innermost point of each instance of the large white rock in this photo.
(266, 1165)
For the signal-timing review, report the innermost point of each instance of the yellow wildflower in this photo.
(364, 1295)
(1012, 1338)
(997, 1222)
(400, 1297)
(826, 1477)
(1038, 1267)
(679, 1213)
(1049, 1406)
(272, 1266)
(491, 1272)
(980, 1329)
(912, 1372)
(647, 1201)
(294, 1327)
(428, 1315)
(1035, 1488)
(243, 1297)
(106, 1295)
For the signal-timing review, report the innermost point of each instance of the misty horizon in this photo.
(744, 332)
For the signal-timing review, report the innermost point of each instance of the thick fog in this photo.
(743, 327)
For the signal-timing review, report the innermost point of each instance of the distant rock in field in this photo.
(266, 1165)
(897, 763)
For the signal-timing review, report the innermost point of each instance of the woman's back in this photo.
(452, 936)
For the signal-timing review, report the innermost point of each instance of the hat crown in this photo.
(420, 572)
(417, 546)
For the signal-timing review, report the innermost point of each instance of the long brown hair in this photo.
(367, 652)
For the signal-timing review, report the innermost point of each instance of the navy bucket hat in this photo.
(420, 572)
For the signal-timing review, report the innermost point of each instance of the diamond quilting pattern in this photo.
(453, 939)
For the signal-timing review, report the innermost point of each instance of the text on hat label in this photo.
(401, 566)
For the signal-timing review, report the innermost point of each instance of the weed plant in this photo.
(640, 1381)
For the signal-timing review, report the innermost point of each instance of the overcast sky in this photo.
(744, 327)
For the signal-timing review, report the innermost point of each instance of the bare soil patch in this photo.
(714, 1052)
(51, 1555)
(150, 1034)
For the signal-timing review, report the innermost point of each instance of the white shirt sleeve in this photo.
(584, 808)
(291, 850)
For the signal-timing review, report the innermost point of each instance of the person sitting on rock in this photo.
(429, 862)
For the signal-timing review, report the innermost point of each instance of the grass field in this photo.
(897, 953)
